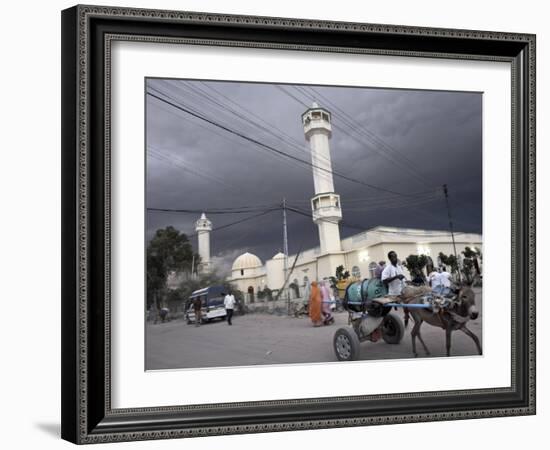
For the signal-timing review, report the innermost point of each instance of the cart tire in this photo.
(189, 321)
(393, 329)
(346, 344)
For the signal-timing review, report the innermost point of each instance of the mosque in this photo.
(359, 254)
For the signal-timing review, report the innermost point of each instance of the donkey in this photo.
(455, 317)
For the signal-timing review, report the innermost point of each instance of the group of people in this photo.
(393, 277)
(320, 302)
(440, 281)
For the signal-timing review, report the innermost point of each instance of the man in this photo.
(434, 280)
(393, 276)
(164, 313)
(445, 281)
(197, 307)
(229, 303)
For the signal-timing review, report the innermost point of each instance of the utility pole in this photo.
(445, 191)
(285, 251)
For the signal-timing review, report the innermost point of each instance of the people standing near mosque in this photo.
(393, 276)
(326, 303)
(229, 303)
(314, 308)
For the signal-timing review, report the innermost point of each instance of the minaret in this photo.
(203, 227)
(325, 205)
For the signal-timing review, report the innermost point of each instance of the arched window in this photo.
(242, 272)
(356, 272)
(295, 287)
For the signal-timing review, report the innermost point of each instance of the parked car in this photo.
(212, 304)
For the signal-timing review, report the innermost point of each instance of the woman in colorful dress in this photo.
(315, 300)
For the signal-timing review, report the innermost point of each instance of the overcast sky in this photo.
(404, 141)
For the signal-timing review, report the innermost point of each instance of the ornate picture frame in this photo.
(87, 35)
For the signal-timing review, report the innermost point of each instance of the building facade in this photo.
(359, 255)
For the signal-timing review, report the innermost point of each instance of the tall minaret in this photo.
(325, 205)
(203, 227)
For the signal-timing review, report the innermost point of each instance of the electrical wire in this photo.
(272, 149)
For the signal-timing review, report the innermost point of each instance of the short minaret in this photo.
(203, 227)
(325, 205)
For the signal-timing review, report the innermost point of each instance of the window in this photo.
(242, 272)
(325, 117)
(316, 115)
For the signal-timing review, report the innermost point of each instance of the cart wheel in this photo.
(189, 321)
(346, 344)
(392, 329)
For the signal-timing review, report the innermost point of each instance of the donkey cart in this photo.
(370, 319)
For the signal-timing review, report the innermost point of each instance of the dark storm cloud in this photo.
(408, 142)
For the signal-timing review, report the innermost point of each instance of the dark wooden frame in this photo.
(87, 416)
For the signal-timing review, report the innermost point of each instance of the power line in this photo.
(174, 161)
(269, 128)
(341, 222)
(244, 117)
(354, 129)
(219, 124)
(272, 149)
(222, 227)
(214, 211)
(386, 149)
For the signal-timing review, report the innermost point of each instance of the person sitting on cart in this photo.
(393, 276)
(446, 283)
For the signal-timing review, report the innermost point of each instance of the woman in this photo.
(315, 305)
(327, 302)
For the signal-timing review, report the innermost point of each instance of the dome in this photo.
(247, 261)
(279, 255)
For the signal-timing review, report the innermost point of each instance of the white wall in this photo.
(30, 189)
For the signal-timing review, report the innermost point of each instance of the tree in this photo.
(415, 264)
(467, 270)
(341, 273)
(168, 251)
(265, 294)
(449, 261)
(473, 255)
(470, 265)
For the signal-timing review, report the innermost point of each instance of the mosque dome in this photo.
(279, 255)
(246, 261)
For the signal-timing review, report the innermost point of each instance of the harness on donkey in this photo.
(449, 312)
